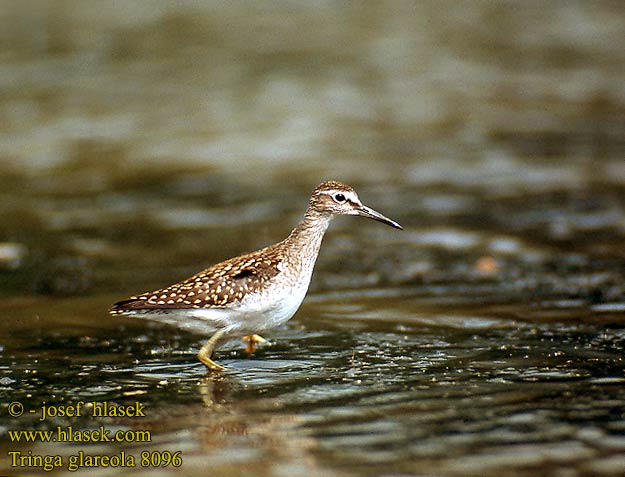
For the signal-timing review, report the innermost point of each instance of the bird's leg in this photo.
(207, 350)
(251, 341)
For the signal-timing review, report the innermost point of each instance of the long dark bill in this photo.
(365, 211)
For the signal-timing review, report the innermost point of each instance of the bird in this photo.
(254, 292)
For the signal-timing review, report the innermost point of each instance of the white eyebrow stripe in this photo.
(351, 196)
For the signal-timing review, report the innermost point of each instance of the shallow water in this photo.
(140, 144)
(371, 383)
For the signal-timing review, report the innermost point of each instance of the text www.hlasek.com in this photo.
(69, 434)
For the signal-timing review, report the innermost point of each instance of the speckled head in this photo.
(336, 198)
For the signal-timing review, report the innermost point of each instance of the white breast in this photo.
(263, 311)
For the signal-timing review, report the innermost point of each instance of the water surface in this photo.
(376, 383)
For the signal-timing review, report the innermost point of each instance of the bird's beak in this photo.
(365, 211)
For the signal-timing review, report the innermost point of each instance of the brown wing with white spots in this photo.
(215, 287)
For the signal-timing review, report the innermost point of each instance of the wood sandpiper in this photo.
(254, 292)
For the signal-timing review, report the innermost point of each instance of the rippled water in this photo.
(373, 383)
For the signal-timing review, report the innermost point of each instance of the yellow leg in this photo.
(251, 341)
(207, 350)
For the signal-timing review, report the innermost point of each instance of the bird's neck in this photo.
(305, 239)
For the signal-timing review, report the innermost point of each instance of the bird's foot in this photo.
(207, 351)
(209, 363)
(252, 342)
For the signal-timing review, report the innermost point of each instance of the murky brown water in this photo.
(370, 383)
(139, 145)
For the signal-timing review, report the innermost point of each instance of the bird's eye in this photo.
(339, 197)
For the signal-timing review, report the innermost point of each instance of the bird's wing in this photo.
(215, 287)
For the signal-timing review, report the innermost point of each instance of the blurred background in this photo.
(141, 141)
(155, 131)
